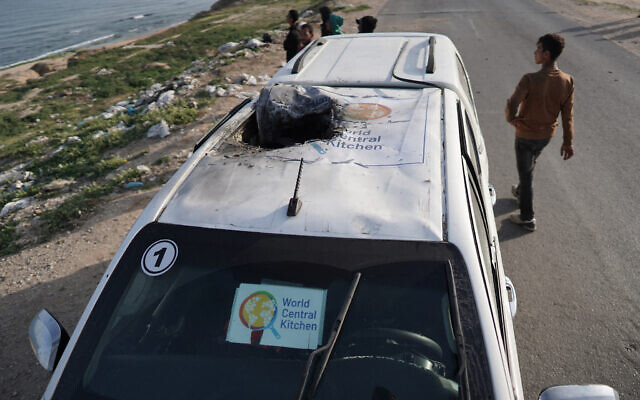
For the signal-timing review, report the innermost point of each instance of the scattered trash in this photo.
(131, 110)
(166, 98)
(73, 139)
(133, 185)
(99, 135)
(160, 130)
(58, 184)
(221, 92)
(254, 44)
(143, 169)
(39, 139)
(210, 89)
(227, 47)
(14, 206)
(123, 103)
(307, 14)
(107, 115)
(104, 71)
(122, 127)
(151, 107)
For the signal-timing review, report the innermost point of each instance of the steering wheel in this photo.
(422, 345)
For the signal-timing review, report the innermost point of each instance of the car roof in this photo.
(375, 60)
(381, 178)
(392, 189)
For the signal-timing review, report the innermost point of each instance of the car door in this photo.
(489, 248)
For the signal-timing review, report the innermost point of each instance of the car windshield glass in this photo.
(236, 315)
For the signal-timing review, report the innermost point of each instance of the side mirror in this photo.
(579, 392)
(48, 339)
(493, 194)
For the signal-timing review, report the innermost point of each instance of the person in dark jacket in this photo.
(292, 41)
(366, 24)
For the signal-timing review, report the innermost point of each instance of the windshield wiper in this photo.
(327, 349)
(461, 374)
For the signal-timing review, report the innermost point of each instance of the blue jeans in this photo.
(527, 152)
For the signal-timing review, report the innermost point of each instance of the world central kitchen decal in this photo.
(274, 315)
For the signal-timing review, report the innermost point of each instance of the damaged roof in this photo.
(380, 177)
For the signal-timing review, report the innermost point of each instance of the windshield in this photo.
(233, 315)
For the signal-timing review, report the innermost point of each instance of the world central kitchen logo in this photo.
(259, 311)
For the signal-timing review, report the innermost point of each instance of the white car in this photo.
(363, 264)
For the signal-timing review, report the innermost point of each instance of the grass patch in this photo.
(361, 7)
(65, 215)
(60, 107)
(8, 236)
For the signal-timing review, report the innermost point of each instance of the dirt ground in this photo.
(61, 275)
(616, 20)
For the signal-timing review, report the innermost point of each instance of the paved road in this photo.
(576, 277)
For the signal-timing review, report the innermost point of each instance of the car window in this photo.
(462, 76)
(252, 307)
(473, 145)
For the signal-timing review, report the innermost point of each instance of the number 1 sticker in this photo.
(159, 257)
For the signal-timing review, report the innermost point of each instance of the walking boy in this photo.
(541, 96)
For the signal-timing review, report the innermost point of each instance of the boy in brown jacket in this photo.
(541, 96)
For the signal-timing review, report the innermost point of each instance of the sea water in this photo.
(32, 29)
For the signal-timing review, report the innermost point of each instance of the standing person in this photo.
(292, 41)
(331, 23)
(541, 96)
(366, 24)
(306, 35)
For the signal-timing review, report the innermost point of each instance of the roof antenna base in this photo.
(294, 206)
(294, 202)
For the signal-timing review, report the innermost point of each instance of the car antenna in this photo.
(295, 203)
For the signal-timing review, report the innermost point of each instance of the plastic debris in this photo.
(99, 135)
(166, 98)
(73, 139)
(133, 185)
(143, 169)
(107, 115)
(227, 47)
(159, 130)
(254, 44)
(14, 206)
(39, 139)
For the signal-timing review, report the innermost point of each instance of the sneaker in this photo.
(515, 192)
(529, 225)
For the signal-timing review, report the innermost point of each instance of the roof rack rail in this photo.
(222, 122)
(430, 61)
(299, 64)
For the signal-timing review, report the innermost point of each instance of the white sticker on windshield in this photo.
(273, 315)
(159, 257)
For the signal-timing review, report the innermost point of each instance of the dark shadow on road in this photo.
(597, 26)
(21, 377)
(504, 206)
(508, 231)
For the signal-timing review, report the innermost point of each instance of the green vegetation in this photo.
(63, 216)
(68, 103)
(361, 7)
(8, 237)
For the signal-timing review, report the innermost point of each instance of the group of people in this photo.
(301, 34)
